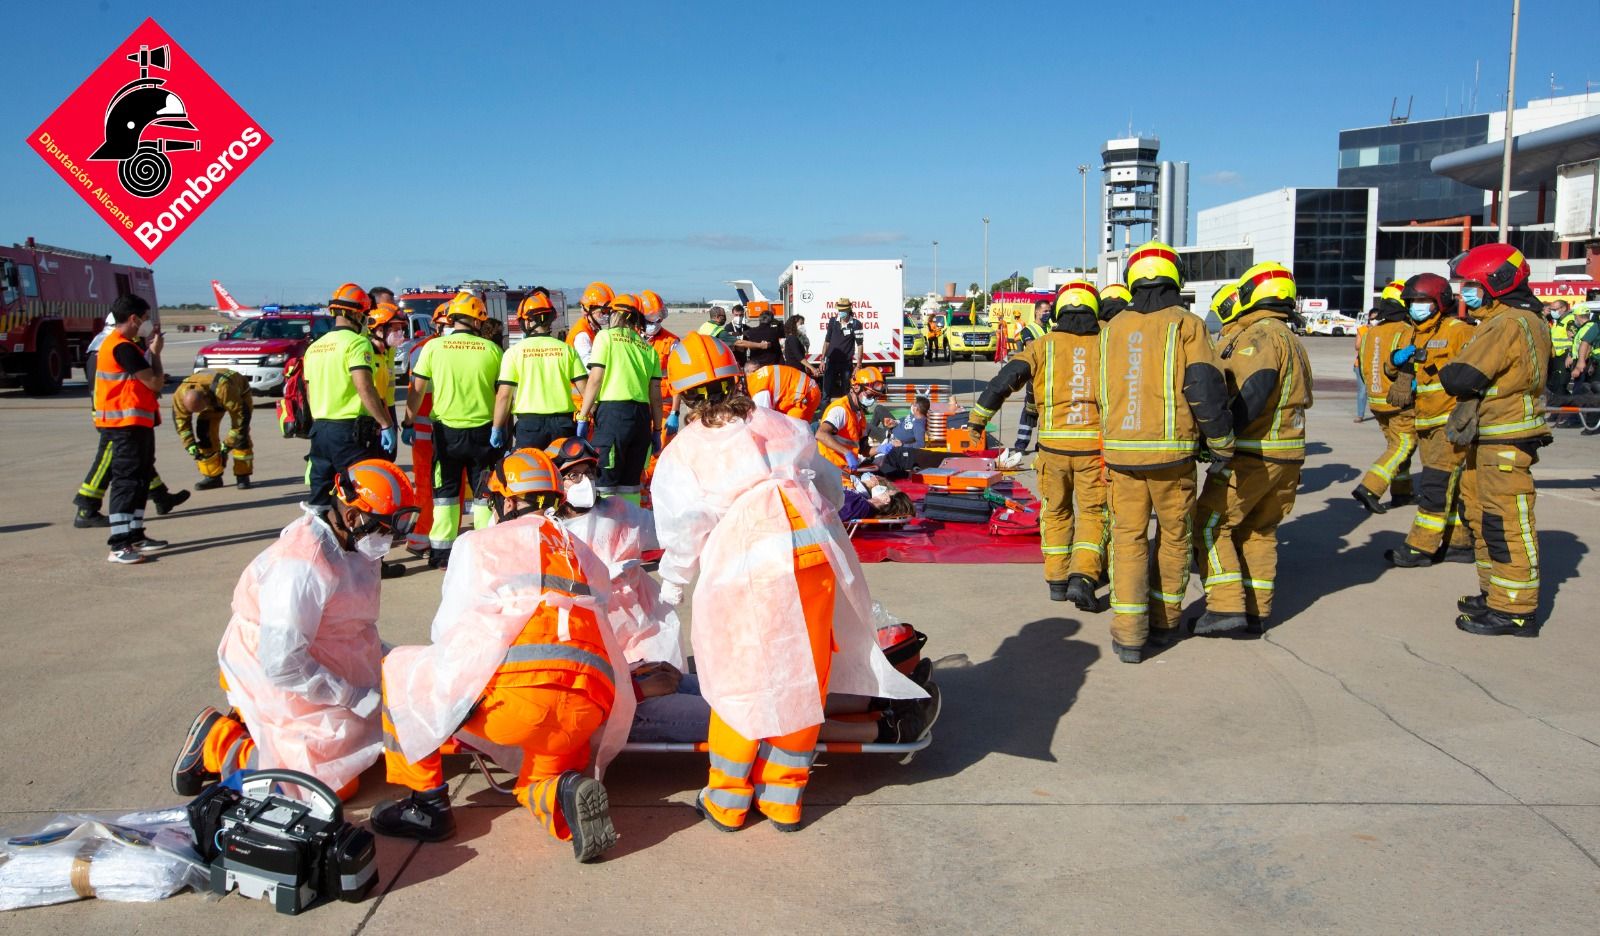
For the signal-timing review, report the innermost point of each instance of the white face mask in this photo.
(147, 328)
(651, 330)
(868, 401)
(581, 495)
(374, 545)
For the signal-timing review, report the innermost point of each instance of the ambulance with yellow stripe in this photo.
(53, 302)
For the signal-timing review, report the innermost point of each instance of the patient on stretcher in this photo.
(671, 709)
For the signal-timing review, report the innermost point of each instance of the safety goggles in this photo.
(400, 523)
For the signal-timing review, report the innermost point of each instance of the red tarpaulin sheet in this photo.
(952, 543)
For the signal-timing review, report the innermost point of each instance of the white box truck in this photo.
(876, 290)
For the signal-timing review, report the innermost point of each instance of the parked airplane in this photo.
(231, 308)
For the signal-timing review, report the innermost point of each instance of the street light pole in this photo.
(1083, 176)
(936, 268)
(984, 286)
(1511, 105)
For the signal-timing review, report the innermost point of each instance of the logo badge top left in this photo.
(149, 140)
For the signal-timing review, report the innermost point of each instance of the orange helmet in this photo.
(382, 314)
(570, 452)
(699, 360)
(466, 305)
(350, 298)
(651, 304)
(596, 296)
(537, 306)
(868, 377)
(527, 474)
(382, 491)
(625, 302)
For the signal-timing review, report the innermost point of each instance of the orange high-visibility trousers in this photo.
(773, 771)
(552, 725)
(422, 476)
(228, 749)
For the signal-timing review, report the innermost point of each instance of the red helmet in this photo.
(1430, 287)
(1501, 268)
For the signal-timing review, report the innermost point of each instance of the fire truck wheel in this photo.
(48, 370)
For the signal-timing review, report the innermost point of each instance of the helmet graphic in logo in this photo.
(142, 165)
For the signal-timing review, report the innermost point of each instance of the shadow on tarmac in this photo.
(23, 527)
(212, 542)
(279, 501)
(1011, 704)
(1322, 477)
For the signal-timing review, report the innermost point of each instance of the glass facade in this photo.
(1428, 243)
(1330, 246)
(1218, 264)
(1394, 159)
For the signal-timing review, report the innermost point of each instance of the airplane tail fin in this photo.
(225, 302)
(747, 290)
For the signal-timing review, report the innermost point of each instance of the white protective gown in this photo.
(718, 513)
(490, 590)
(302, 657)
(620, 532)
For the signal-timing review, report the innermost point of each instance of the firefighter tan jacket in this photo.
(1438, 341)
(1161, 390)
(1269, 381)
(1372, 359)
(1504, 362)
(1064, 369)
(229, 391)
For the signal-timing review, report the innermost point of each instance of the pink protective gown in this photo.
(718, 512)
(491, 589)
(620, 532)
(301, 654)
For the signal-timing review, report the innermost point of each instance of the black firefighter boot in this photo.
(1495, 623)
(1220, 622)
(1407, 557)
(424, 816)
(1080, 591)
(1474, 605)
(1059, 591)
(1368, 500)
(165, 500)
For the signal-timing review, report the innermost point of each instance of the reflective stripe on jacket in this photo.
(120, 399)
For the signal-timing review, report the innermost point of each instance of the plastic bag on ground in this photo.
(134, 857)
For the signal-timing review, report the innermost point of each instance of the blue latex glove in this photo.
(1403, 355)
(497, 437)
(583, 428)
(386, 439)
(408, 435)
(852, 460)
(885, 448)
(672, 424)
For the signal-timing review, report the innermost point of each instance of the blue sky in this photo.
(677, 145)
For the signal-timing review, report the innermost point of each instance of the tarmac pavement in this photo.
(1364, 767)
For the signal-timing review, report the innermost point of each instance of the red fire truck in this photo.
(53, 301)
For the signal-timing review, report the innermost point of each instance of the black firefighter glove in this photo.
(238, 439)
(193, 448)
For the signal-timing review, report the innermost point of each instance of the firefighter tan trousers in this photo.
(1393, 467)
(1497, 495)
(1438, 487)
(773, 772)
(213, 456)
(1237, 528)
(1072, 517)
(1137, 604)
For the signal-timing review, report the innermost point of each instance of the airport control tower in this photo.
(1141, 198)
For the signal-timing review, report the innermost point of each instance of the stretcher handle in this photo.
(325, 803)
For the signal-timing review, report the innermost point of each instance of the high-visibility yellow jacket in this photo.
(1562, 332)
(1505, 363)
(1269, 382)
(1161, 390)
